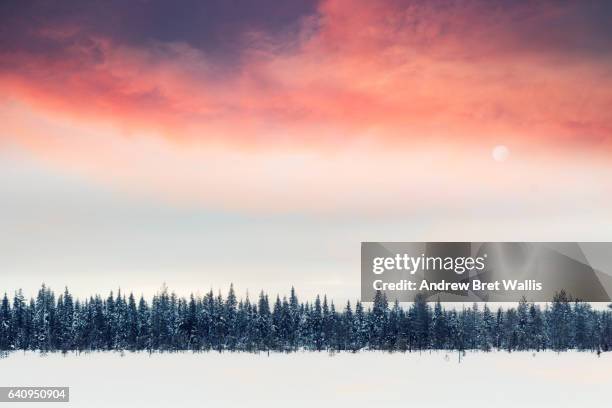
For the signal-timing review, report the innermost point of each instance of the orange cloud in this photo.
(384, 70)
(371, 95)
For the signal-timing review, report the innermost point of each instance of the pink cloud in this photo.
(372, 95)
(400, 73)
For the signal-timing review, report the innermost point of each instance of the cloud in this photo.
(398, 70)
(317, 107)
(217, 27)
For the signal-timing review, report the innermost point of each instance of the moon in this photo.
(500, 153)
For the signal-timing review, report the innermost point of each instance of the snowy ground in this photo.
(367, 379)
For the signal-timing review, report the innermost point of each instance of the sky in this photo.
(260, 142)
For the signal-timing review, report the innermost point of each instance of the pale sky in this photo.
(60, 228)
(261, 148)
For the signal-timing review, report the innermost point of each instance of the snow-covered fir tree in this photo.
(214, 322)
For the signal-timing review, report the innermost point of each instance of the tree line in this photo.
(213, 322)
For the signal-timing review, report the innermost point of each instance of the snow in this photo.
(310, 379)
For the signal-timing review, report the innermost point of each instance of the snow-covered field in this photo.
(367, 379)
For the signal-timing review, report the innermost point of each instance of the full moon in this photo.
(500, 153)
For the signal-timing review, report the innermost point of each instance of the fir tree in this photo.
(439, 327)
(487, 340)
(560, 322)
(20, 321)
(214, 322)
(6, 332)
